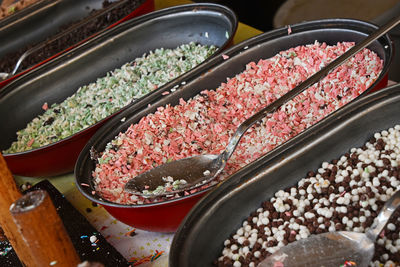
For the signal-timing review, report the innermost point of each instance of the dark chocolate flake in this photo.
(49, 121)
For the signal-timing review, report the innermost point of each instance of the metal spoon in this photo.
(335, 248)
(5, 75)
(201, 169)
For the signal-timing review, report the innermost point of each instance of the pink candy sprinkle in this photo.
(225, 56)
(289, 30)
(29, 144)
(382, 234)
(205, 123)
(45, 106)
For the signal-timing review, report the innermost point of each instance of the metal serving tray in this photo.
(44, 20)
(21, 100)
(37, 22)
(25, 12)
(219, 214)
(210, 76)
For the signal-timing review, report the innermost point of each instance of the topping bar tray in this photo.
(54, 27)
(194, 117)
(346, 166)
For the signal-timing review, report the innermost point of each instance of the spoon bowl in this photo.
(335, 248)
(328, 249)
(203, 169)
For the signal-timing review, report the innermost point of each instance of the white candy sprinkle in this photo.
(391, 227)
(93, 238)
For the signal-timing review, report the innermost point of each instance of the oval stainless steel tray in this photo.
(35, 25)
(217, 216)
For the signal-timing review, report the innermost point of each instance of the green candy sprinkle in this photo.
(98, 100)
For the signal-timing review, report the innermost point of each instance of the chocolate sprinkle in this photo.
(344, 195)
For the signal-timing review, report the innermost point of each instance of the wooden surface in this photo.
(43, 231)
(8, 194)
(79, 230)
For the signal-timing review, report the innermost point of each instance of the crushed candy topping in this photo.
(98, 100)
(205, 123)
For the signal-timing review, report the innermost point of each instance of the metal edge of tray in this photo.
(42, 22)
(223, 210)
(209, 76)
(30, 10)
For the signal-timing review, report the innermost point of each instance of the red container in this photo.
(161, 217)
(146, 7)
(21, 100)
(166, 216)
(50, 160)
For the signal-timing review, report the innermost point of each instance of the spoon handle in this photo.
(233, 142)
(383, 217)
